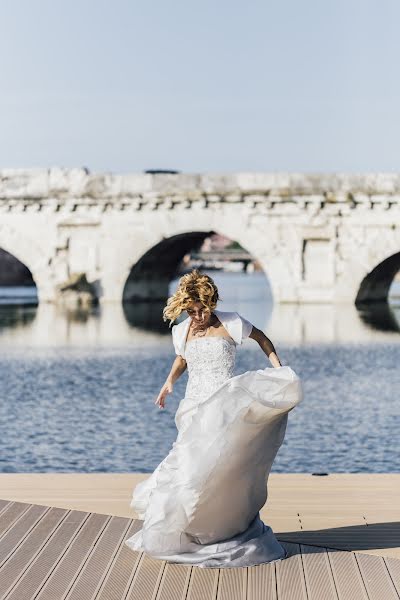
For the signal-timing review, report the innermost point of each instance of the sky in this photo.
(211, 86)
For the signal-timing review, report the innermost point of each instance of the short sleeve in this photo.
(176, 341)
(246, 327)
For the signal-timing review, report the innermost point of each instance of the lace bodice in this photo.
(210, 362)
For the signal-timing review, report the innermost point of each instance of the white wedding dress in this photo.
(201, 504)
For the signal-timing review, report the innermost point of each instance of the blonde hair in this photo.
(193, 287)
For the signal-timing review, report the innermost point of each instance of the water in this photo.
(78, 390)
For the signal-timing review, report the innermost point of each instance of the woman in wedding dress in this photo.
(201, 504)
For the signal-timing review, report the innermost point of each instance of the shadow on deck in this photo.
(353, 537)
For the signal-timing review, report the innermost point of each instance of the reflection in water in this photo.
(380, 315)
(141, 323)
(146, 316)
(79, 314)
(51, 325)
(331, 324)
(26, 295)
(16, 315)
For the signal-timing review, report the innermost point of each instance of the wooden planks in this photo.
(291, 584)
(88, 582)
(15, 579)
(318, 573)
(59, 554)
(232, 584)
(393, 567)
(28, 582)
(122, 569)
(261, 582)
(376, 577)
(62, 578)
(203, 584)
(174, 582)
(346, 574)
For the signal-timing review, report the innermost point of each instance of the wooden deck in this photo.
(52, 552)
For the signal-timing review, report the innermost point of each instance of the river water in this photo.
(78, 390)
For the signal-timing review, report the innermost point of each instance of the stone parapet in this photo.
(154, 190)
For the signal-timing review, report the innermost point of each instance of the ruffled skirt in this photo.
(201, 504)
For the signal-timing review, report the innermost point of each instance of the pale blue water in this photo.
(77, 394)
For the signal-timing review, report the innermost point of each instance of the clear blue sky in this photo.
(218, 85)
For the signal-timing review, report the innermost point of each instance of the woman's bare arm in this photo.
(178, 367)
(266, 346)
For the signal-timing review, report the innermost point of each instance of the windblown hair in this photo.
(193, 287)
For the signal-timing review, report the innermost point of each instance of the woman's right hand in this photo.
(165, 390)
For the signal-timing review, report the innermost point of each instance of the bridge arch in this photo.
(376, 284)
(13, 272)
(149, 277)
(27, 251)
(151, 274)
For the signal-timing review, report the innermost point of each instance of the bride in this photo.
(201, 504)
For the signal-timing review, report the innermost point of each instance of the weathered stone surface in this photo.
(76, 282)
(79, 183)
(76, 292)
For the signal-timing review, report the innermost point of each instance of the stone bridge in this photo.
(319, 237)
